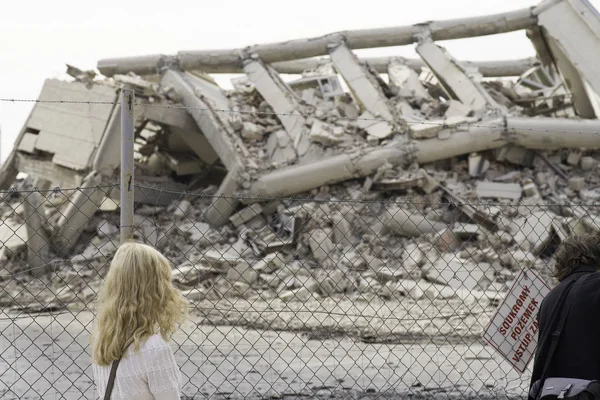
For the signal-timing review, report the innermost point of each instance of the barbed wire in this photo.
(200, 310)
(441, 123)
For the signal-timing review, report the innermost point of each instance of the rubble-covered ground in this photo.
(418, 251)
(306, 205)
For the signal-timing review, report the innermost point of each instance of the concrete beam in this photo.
(453, 77)
(363, 85)
(573, 48)
(533, 133)
(210, 60)
(199, 103)
(489, 69)
(284, 102)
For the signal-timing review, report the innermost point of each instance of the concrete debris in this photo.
(577, 183)
(429, 185)
(497, 190)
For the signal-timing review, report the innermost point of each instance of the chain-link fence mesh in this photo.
(321, 296)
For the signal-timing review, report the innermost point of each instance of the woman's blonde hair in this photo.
(136, 301)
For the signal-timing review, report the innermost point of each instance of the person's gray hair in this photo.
(574, 252)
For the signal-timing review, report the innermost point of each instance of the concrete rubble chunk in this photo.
(242, 272)
(447, 241)
(321, 245)
(251, 131)
(477, 164)
(246, 215)
(457, 109)
(342, 230)
(577, 183)
(324, 134)
(407, 81)
(536, 232)
(530, 189)
(375, 127)
(574, 157)
(409, 223)
(588, 163)
(497, 190)
(460, 274)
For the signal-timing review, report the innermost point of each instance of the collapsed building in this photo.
(429, 178)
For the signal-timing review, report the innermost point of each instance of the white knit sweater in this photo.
(150, 373)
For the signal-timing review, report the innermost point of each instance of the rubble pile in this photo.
(428, 181)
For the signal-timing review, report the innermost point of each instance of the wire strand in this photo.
(301, 115)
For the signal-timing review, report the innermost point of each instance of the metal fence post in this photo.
(127, 164)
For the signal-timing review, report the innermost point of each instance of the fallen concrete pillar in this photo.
(534, 133)
(82, 205)
(363, 85)
(212, 60)
(283, 101)
(572, 47)
(215, 128)
(453, 77)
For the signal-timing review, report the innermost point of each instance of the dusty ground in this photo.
(47, 357)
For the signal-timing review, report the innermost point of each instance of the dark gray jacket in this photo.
(578, 352)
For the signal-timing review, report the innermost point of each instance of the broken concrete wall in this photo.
(66, 135)
(571, 45)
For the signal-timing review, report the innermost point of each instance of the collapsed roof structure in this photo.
(270, 137)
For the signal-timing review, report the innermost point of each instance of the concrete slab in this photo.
(283, 101)
(454, 78)
(362, 83)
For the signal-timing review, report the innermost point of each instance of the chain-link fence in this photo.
(327, 295)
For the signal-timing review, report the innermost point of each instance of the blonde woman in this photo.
(139, 309)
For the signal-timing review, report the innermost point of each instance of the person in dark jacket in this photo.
(577, 354)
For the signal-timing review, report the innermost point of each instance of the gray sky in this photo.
(38, 39)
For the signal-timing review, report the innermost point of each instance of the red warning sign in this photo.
(512, 331)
